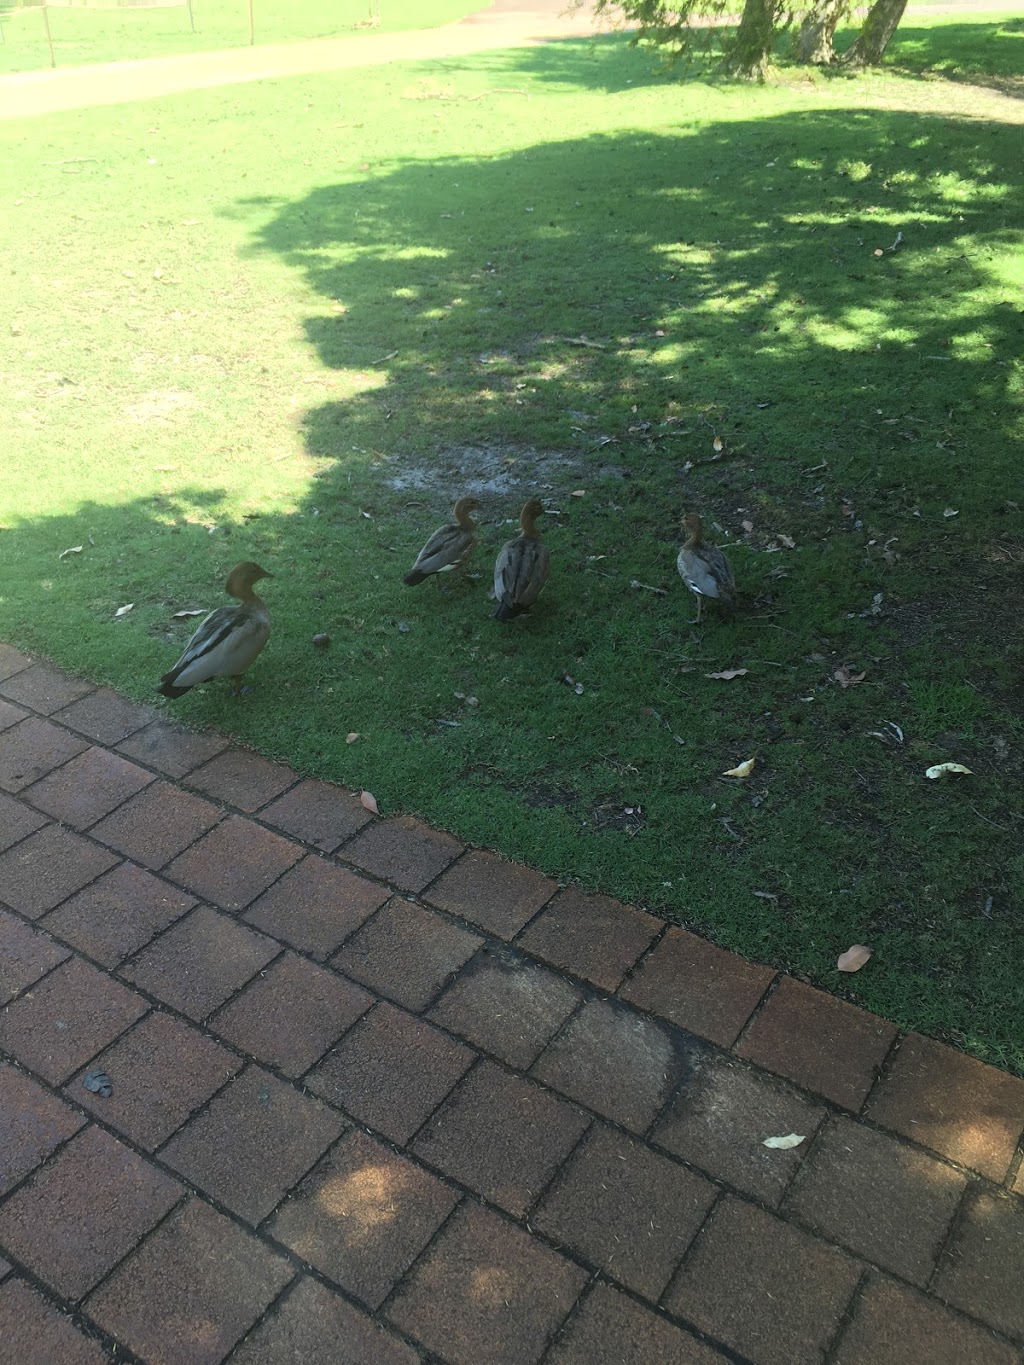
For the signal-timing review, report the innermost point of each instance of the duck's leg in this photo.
(236, 685)
(695, 620)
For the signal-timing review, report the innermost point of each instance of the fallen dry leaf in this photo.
(941, 769)
(718, 443)
(783, 1144)
(743, 770)
(854, 958)
(351, 738)
(846, 679)
(788, 541)
(951, 512)
(369, 801)
(192, 611)
(578, 493)
(748, 526)
(74, 550)
(123, 611)
(727, 674)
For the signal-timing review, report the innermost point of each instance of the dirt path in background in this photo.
(506, 23)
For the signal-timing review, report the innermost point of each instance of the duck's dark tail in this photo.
(414, 577)
(166, 686)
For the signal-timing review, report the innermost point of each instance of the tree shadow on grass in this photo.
(985, 54)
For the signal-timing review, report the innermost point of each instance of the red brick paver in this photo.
(375, 1099)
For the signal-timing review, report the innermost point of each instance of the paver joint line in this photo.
(419, 1104)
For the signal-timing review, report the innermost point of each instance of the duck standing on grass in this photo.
(522, 566)
(449, 547)
(227, 641)
(704, 568)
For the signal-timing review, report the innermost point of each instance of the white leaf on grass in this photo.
(368, 800)
(743, 770)
(846, 679)
(192, 611)
(718, 443)
(123, 611)
(351, 738)
(783, 1144)
(854, 958)
(941, 769)
(727, 674)
(74, 550)
(951, 512)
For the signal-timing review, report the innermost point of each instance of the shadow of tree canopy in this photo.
(986, 54)
(748, 263)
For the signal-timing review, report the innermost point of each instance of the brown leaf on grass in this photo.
(727, 674)
(369, 801)
(748, 526)
(788, 541)
(742, 769)
(846, 679)
(718, 443)
(854, 958)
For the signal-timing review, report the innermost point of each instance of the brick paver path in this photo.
(378, 1099)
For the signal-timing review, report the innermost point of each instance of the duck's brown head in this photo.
(464, 507)
(694, 527)
(242, 577)
(532, 509)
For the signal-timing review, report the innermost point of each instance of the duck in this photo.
(522, 566)
(704, 568)
(449, 547)
(227, 641)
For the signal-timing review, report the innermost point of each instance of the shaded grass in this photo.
(303, 356)
(99, 34)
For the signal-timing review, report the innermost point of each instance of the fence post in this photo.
(46, 21)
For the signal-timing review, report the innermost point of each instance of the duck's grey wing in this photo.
(224, 646)
(448, 546)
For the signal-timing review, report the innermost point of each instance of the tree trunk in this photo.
(751, 48)
(814, 40)
(873, 39)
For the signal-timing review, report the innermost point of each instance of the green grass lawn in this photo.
(293, 321)
(102, 34)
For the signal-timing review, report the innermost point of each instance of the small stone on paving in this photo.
(55, 1027)
(318, 814)
(764, 1288)
(291, 1013)
(118, 914)
(315, 1327)
(25, 956)
(626, 1209)
(593, 937)
(362, 1216)
(882, 1199)
(819, 1042)
(37, 874)
(486, 1291)
(891, 1325)
(157, 825)
(619, 1063)
(955, 1105)
(161, 1070)
(507, 1005)
(498, 896)
(701, 988)
(242, 779)
(233, 864)
(502, 1136)
(201, 961)
(403, 851)
(80, 1214)
(165, 1291)
(406, 953)
(721, 1117)
(390, 1071)
(316, 905)
(611, 1329)
(254, 1141)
